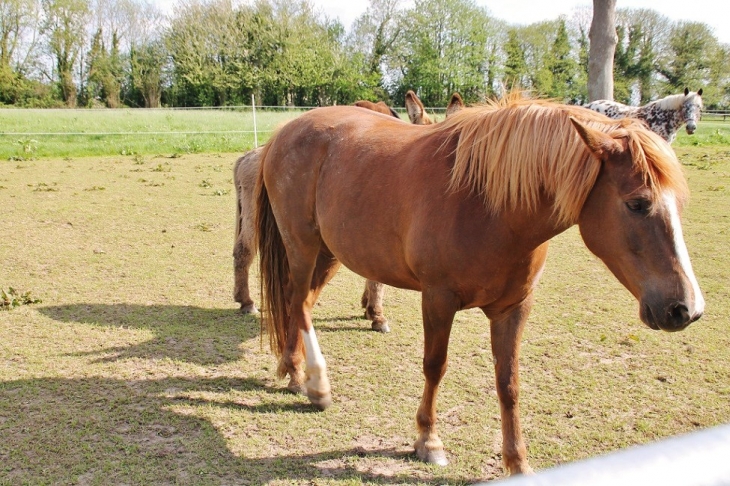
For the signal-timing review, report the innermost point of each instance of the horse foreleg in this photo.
(506, 333)
(372, 301)
(438, 316)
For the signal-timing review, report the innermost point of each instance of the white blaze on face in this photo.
(680, 248)
(316, 365)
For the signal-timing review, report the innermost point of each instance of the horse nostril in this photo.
(679, 315)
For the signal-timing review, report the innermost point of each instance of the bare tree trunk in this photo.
(603, 45)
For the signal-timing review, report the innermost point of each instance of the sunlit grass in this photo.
(28, 134)
(136, 367)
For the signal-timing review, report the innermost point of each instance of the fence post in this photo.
(255, 132)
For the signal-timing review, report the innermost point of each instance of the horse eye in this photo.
(640, 206)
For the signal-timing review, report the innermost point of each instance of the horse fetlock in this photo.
(515, 461)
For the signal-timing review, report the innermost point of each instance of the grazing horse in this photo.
(664, 117)
(464, 211)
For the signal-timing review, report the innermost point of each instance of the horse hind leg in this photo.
(306, 284)
(244, 247)
(372, 302)
(242, 259)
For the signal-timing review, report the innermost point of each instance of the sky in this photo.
(711, 12)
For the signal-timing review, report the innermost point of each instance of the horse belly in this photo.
(364, 226)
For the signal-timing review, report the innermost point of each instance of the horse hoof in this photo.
(296, 387)
(249, 309)
(437, 457)
(319, 400)
(381, 326)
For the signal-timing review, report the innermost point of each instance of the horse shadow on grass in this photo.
(102, 430)
(186, 333)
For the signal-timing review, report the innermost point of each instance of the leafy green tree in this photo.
(146, 74)
(515, 66)
(373, 39)
(202, 40)
(19, 33)
(537, 41)
(444, 49)
(562, 66)
(65, 28)
(104, 72)
(692, 46)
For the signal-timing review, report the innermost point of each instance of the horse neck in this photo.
(649, 112)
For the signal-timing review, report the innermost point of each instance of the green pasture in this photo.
(32, 134)
(28, 134)
(135, 367)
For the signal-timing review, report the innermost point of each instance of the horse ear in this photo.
(699, 93)
(455, 104)
(414, 108)
(416, 111)
(686, 91)
(599, 143)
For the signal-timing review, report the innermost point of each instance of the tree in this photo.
(603, 45)
(373, 38)
(147, 63)
(692, 45)
(562, 66)
(104, 71)
(515, 66)
(444, 49)
(19, 32)
(65, 28)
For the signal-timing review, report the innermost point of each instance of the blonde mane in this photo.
(516, 150)
(675, 102)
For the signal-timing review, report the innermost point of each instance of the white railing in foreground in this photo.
(697, 459)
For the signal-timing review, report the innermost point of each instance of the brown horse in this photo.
(379, 107)
(464, 211)
(245, 171)
(417, 112)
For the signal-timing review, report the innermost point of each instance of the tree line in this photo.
(285, 52)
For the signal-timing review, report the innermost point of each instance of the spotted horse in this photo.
(664, 116)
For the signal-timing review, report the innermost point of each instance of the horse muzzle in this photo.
(691, 127)
(671, 317)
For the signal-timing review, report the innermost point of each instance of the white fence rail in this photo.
(697, 459)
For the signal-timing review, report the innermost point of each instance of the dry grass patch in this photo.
(136, 367)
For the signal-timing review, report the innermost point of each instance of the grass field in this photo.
(137, 369)
(32, 134)
(28, 134)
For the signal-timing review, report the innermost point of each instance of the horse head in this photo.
(631, 221)
(692, 109)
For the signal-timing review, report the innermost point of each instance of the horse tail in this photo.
(274, 270)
